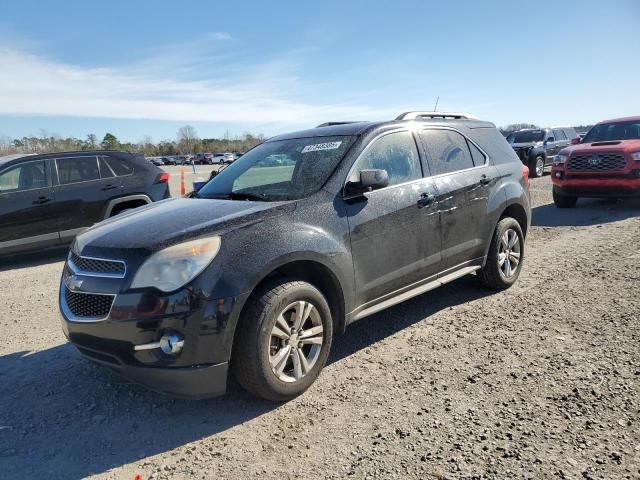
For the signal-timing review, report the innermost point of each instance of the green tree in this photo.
(91, 142)
(110, 142)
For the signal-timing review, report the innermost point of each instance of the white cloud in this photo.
(34, 85)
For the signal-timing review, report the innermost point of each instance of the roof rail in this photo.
(419, 115)
(331, 124)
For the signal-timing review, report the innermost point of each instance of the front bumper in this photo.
(206, 324)
(195, 382)
(596, 187)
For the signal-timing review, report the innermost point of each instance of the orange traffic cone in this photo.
(182, 187)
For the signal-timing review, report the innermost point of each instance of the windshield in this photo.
(526, 136)
(279, 170)
(606, 132)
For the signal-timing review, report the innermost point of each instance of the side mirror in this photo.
(550, 139)
(575, 141)
(370, 179)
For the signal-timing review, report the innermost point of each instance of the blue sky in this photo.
(148, 67)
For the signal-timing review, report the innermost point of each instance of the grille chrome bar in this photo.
(96, 267)
(602, 162)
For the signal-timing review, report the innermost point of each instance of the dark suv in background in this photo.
(537, 147)
(259, 268)
(46, 200)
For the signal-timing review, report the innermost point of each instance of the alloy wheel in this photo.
(509, 253)
(539, 166)
(295, 341)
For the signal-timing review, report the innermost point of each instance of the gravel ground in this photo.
(540, 381)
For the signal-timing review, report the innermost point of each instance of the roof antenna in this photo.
(435, 107)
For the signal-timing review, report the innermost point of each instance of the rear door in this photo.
(28, 215)
(463, 179)
(129, 181)
(395, 234)
(82, 192)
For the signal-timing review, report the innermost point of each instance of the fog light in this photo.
(558, 174)
(171, 344)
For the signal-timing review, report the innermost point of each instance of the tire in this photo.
(536, 166)
(260, 343)
(495, 273)
(564, 201)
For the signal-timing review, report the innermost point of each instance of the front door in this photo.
(395, 234)
(28, 215)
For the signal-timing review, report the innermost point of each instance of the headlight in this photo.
(560, 159)
(173, 267)
(635, 155)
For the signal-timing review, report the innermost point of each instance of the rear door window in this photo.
(119, 166)
(448, 151)
(559, 135)
(77, 169)
(477, 156)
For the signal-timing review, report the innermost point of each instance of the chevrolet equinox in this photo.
(304, 234)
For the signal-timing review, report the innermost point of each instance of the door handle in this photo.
(42, 199)
(109, 187)
(425, 200)
(484, 180)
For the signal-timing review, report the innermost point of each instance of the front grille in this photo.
(88, 305)
(603, 162)
(92, 265)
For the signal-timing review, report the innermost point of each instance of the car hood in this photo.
(172, 221)
(616, 146)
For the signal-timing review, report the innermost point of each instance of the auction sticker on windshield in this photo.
(321, 146)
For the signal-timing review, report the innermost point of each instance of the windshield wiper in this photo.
(260, 197)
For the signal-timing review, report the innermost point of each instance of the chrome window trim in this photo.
(20, 164)
(78, 271)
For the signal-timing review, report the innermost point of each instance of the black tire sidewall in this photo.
(492, 260)
(272, 387)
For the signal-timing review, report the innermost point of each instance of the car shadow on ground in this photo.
(589, 211)
(26, 260)
(63, 417)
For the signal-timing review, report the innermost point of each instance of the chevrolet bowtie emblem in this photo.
(72, 282)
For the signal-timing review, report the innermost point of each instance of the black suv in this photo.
(536, 148)
(46, 200)
(262, 266)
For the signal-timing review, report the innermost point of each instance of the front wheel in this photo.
(506, 254)
(283, 340)
(536, 166)
(564, 201)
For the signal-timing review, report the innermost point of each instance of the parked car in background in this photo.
(158, 162)
(217, 159)
(46, 200)
(260, 268)
(203, 158)
(537, 147)
(606, 163)
(168, 160)
(237, 155)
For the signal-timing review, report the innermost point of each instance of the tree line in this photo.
(187, 141)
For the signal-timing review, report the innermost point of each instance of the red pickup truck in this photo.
(606, 163)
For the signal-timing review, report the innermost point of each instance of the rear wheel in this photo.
(283, 340)
(506, 254)
(564, 201)
(536, 166)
